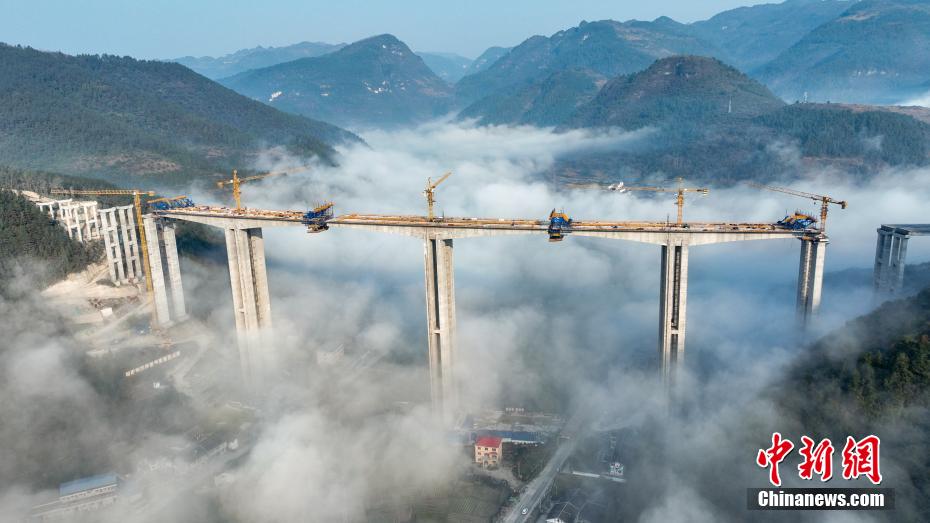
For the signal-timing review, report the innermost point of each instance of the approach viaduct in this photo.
(252, 304)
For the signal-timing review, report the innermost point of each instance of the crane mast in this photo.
(429, 193)
(824, 200)
(236, 182)
(680, 191)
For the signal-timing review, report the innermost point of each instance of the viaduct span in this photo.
(248, 276)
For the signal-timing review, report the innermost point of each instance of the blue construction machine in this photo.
(315, 219)
(797, 221)
(166, 204)
(559, 225)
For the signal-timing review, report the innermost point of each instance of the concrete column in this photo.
(810, 278)
(440, 320)
(77, 223)
(878, 272)
(108, 229)
(67, 219)
(127, 225)
(895, 272)
(673, 299)
(90, 221)
(174, 270)
(160, 293)
(251, 302)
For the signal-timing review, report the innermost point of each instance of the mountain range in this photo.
(877, 51)
(606, 47)
(255, 58)
(377, 81)
(869, 51)
(712, 123)
(108, 116)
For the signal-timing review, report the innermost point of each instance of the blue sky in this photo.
(171, 28)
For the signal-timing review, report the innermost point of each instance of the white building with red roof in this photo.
(489, 450)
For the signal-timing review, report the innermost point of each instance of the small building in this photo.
(78, 496)
(489, 450)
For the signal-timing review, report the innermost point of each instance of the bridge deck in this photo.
(379, 220)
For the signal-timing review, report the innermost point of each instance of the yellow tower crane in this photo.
(825, 201)
(235, 181)
(680, 190)
(137, 204)
(428, 192)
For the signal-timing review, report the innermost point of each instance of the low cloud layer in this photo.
(539, 325)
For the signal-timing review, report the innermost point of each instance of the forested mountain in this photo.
(681, 89)
(607, 47)
(877, 51)
(448, 66)
(710, 122)
(545, 103)
(255, 58)
(378, 81)
(110, 116)
(30, 239)
(748, 37)
(872, 376)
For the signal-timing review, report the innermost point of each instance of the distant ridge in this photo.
(109, 116)
(377, 81)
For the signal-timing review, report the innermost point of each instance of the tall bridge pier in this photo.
(245, 251)
(890, 253)
(248, 278)
(810, 277)
(673, 300)
(440, 321)
(165, 265)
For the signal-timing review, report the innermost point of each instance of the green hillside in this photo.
(878, 51)
(108, 116)
(377, 81)
(710, 122)
(751, 36)
(29, 239)
(546, 103)
(683, 89)
(607, 47)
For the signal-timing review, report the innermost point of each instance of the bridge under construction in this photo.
(252, 305)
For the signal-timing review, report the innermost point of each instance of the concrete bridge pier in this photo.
(810, 278)
(245, 249)
(673, 297)
(127, 224)
(163, 254)
(890, 253)
(108, 228)
(440, 322)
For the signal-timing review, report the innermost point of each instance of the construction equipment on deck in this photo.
(559, 225)
(680, 190)
(797, 221)
(165, 204)
(235, 181)
(315, 219)
(825, 201)
(137, 204)
(428, 192)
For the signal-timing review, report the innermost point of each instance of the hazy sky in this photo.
(172, 28)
